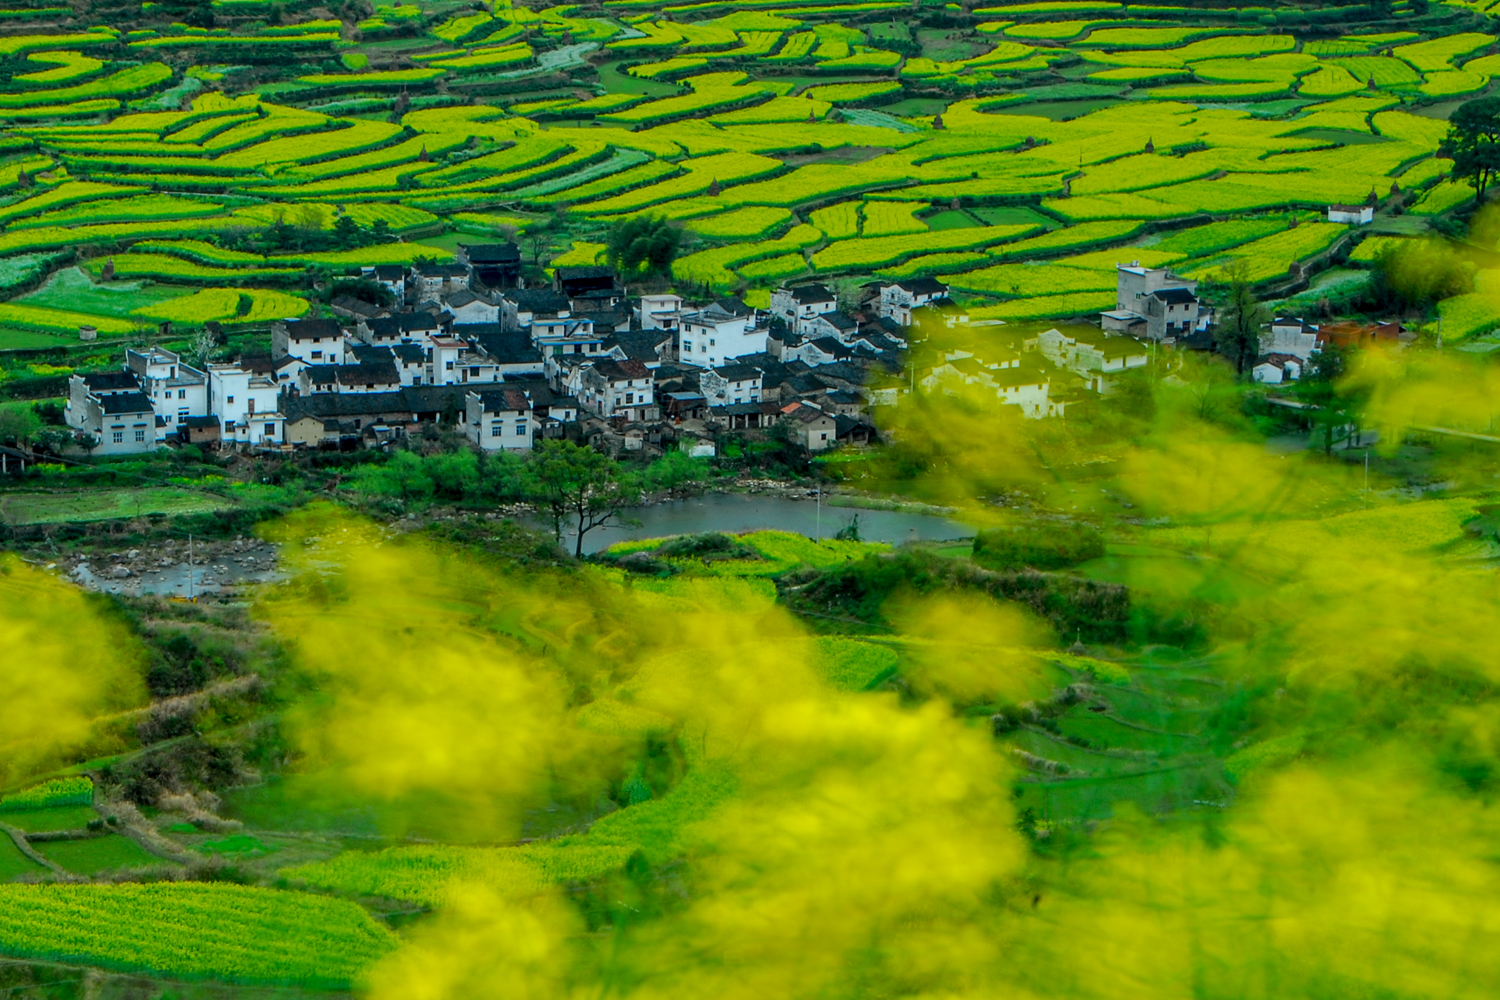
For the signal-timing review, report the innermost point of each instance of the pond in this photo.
(736, 512)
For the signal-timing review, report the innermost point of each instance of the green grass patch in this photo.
(13, 863)
(51, 818)
(104, 505)
(98, 854)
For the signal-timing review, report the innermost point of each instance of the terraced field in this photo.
(788, 140)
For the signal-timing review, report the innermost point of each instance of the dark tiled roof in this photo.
(347, 404)
(374, 373)
(803, 294)
(313, 328)
(737, 372)
(492, 253)
(539, 300)
(1175, 296)
(125, 402)
(508, 398)
(111, 382)
(615, 371)
(923, 286)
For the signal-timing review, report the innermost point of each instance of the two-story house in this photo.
(718, 333)
(729, 385)
(177, 390)
(898, 300)
(493, 265)
(1154, 303)
(659, 312)
(800, 303)
(111, 408)
(616, 389)
(435, 282)
(247, 405)
(499, 419)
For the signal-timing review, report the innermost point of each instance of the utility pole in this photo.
(820, 513)
(190, 567)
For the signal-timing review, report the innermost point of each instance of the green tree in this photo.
(675, 468)
(346, 233)
(19, 425)
(1474, 143)
(574, 483)
(643, 246)
(1238, 338)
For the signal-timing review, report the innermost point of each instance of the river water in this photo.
(737, 512)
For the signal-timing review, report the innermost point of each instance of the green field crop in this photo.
(128, 209)
(1443, 198)
(429, 875)
(712, 266)
(1370, 249)
(381, 78)
(1385, 71)
(1202, 240)
(1048, 306)
(194, 931)
(1439, 53)
(70, 65)
(774, 269)
(849, 93)
(880, 250)
(853, 664)
(892, 218)
(95, 855)
(223, 304)
(74, 791)
(837, 221)
(1271, 256)
(701, 173)
(1031, 280)
(748, 223)
(1449, 83)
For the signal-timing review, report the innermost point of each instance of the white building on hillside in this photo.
(720, 332)
(246, 404)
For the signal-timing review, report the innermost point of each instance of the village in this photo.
(468, 346)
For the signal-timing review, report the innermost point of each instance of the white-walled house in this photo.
(800, 303)
(110, 408)
(612, 388)
(499, 419)
(899, 299)
(1352, 215)
(1094, 354)
(719, 332)
(728, 385)
(246, 405)
(659, 312)
(1290, 335)
(177, 391)
(1277, 368)
(312, 341)
(1154, 303)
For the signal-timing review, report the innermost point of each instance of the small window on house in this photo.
(140, 435)
(229, 399)
(119, 437)
(182, 394)
(497, 429)
(317, 354)
(824, 436)
(687, 345)
(270, 430)
(520, 428)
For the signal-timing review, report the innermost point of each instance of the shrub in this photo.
(1039, 545)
